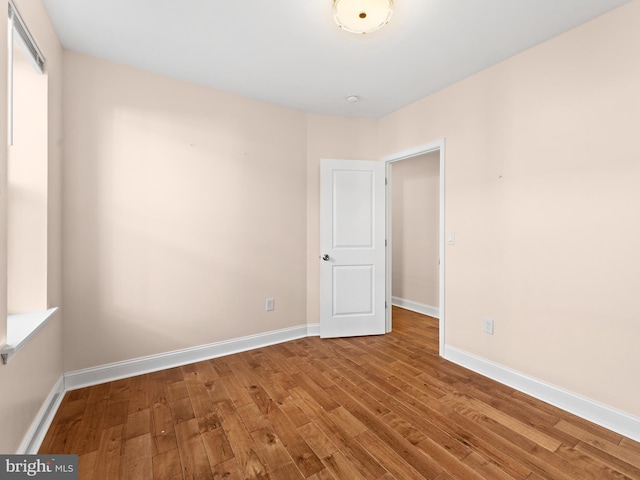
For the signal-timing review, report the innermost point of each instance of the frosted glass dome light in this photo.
(362, 16)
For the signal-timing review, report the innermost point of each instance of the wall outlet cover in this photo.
(487, 325)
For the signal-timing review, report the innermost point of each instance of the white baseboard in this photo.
(138, 366)
(595, 412)
(313, 329)
(35, 435)
(416, 307)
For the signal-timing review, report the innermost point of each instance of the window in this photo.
(27, 179)
(21, 45)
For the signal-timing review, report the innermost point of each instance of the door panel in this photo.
(353, 194)
(352, 205)
(353, 290)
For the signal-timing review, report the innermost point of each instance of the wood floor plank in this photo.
(448, 462)
(116, 413)
(339, 438)
(162, 423)
(182, 410)
(251, 416)
(397, 442)
(317, 440)
(119, 390)
(64, 437)
(288, 472)
(611, 460)
(427, 425)
(173, 375)
(138, 393)
(303, 456)
(109, 454)
(243, 446)
(293, 412)
(167, 465)
(389, 458)
(611, 445)
(322, 475)
(201, 403)
(384, 407)
(218, 391)
(485, 468)
(348, 422)
(193, 456)
(178, 390)
(88, 438)
(508, 421)
(138, 423)
(215, 439)
(228, 470)
(137, 462)
(271, 449)
(340, 467)
(87, 465)
(238, 394)
(99, 392)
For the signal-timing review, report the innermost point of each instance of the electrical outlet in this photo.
(269, 304)
(487, 325)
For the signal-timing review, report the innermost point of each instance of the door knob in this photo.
(325, 257)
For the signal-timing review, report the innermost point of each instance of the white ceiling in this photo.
(290, 52)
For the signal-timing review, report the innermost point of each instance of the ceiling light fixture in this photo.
(362, 16)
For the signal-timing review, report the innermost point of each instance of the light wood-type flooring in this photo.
(385, 407)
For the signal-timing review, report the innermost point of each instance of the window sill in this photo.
(22, 327)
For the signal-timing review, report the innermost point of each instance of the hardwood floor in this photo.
(382, 407)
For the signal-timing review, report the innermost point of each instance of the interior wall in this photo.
(415, 202)
(542, 194)
(333, 138)
(184, 210)
(30, 376)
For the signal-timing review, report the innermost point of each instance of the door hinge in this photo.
(385, 242)
(386, 181)
(385, 304)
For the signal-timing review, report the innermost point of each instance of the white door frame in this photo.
(437, 145)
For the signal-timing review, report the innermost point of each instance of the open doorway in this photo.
(415, 232)
(415, 244)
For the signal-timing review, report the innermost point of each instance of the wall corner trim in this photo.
(600, 414)
(138, 366)
(36, 433)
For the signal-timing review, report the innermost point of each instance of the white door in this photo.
(352, 243)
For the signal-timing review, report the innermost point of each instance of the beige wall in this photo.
(29, 377)
(542, 178)
(334, 138)
(185, 208)
(415, 228)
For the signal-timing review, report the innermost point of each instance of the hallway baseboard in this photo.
(416, 307)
